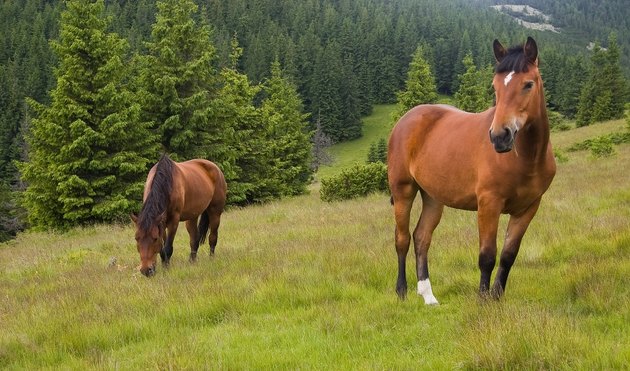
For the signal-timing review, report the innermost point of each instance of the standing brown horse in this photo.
(174, 192)
(465, 161)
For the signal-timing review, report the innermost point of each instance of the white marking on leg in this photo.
(508, 78)
(424, 289)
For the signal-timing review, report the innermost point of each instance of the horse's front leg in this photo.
(167, 250)
(489, 211)
(517, 227)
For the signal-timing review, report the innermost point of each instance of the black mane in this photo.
(514, 60)
(158, 199)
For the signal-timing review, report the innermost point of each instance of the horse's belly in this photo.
(454, 198)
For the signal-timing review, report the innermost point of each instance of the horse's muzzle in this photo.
(148, 271)
(504, 140)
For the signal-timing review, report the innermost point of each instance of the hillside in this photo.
(305, 284)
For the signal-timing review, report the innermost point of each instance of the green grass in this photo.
(376, 126)
(305, 284)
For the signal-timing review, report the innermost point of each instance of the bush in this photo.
(357, 181)
(602, 147)
(557, 122)
(378, 151)
(560, 156)
(614, 138)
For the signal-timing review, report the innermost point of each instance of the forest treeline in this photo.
(339, 58)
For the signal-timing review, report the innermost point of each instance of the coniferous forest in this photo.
(92, 92)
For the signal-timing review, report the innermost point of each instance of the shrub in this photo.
(378, 151)
(560, 156)
(602, 147)
(614, 138)
(357, 181)
(557, 122)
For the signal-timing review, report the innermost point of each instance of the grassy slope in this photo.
(376, 126)
(301, 283)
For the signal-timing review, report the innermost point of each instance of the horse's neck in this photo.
(535, 139)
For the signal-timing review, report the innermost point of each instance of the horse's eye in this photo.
(528, 85)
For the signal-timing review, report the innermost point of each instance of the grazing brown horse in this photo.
(494, 162)
(174, 192)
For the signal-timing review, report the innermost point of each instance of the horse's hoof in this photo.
(402, 292)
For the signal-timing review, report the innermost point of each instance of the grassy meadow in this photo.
(304, 284)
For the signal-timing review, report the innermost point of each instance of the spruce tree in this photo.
(604, 93)
(88, 151)
(473, 94)
(326, 87)
(615, 79)
(178, 82)
(419, 87)
(288, 135)
(593, 87)
(247, 164)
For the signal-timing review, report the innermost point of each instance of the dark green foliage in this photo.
(334, 97)
(288, 137)
(419, 87)
(247, 158)
(475, 93)
(88, 150)
(357, 181)
(557, 122)
(378, 151)
(177, 80)
(604, 93)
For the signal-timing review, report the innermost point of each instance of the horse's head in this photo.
(519, 91)
(149, 241)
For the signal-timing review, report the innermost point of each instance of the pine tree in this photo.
(88, 150)
(615, 79)
(473, 94)
(326, 88)
(378, 151)
(592, 88)
(604, 93)
(247, 164)
(419, 87)
(288, 134)
(178, 82)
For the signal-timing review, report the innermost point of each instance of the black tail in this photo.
(204, 222)
(391, 200)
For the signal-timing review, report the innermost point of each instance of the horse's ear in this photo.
(134, 218)
(499, 51)
(531, 51)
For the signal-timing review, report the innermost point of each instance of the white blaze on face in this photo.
(508, 78)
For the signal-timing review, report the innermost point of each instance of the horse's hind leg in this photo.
(215, 220)
(517, 226)
(402, 196)
(193, 234)
(429, 220)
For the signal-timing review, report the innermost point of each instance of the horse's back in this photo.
(437, 147)
(202, 184)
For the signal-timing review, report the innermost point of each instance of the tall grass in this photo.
(306, 284)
